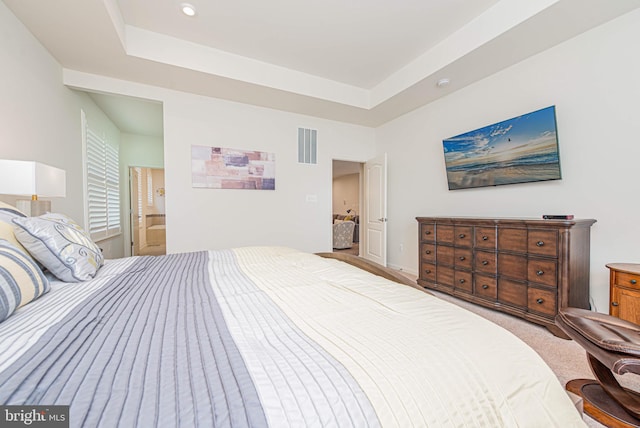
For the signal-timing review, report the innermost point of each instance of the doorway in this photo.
(347, 194)
(148, 225)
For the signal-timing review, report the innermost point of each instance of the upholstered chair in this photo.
(343, 234)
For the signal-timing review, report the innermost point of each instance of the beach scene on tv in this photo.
(517, 150)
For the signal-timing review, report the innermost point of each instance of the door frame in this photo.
(360, 197)
(129, 245)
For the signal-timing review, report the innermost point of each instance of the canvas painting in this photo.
(518, 150)
(223, 168)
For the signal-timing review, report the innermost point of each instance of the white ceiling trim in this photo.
(165, 49)
(491, 24)
(115, 15)
(181, 53)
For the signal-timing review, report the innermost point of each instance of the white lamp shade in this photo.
(31, 178)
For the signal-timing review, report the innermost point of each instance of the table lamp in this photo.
(35, 179)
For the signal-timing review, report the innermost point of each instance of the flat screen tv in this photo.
(518, 150)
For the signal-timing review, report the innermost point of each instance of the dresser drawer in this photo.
(444, 276)
(428, 252)
(463, 281)
(444, 255)
(512, 292)
(512, 265)
(512, 239)
(444, 233)
(542, 271)
(485, 287)
(543, 242)
(485, 261)
(428, 272)
(463, 236)
(485, 237)
(428, 231)
(463, 257)
(624, 279)
(542, 301)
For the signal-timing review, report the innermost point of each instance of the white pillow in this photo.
(61, 245)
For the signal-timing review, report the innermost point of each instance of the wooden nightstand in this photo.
(624, 287)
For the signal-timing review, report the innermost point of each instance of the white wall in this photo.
(593, 82)
(40, 117)
(208, 218)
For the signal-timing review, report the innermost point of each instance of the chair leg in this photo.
(629, 400)
(604, 399)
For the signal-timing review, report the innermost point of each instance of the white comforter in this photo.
(316, 342)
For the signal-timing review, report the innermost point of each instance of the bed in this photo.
(268, 336)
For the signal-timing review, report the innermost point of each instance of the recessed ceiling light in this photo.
(188, 9)
(443, 82)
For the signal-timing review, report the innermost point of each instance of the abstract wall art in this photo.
(226, 168)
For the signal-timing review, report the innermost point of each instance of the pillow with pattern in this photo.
(61, 245)
(21, 280)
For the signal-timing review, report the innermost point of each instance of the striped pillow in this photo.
(21, 280)
(7, 214)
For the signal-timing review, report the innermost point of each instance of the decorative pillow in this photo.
(7, 214)
(21, 280)
(61, 245)
(348, 218)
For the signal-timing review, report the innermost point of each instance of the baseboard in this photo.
(404, 270)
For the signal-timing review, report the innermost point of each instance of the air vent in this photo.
(307, 146)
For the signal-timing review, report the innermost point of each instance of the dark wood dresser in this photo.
(525, 267)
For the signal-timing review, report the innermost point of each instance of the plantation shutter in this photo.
(103, 186)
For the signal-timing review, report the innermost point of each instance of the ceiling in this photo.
(361, 61)
(342, 168)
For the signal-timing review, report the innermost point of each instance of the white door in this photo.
(375, 221)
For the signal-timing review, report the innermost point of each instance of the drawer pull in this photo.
(540, 243)
(461, 258)
(540, 272)
(539, 301)
(462, 281)
(461, 236)
(427, 271)
(428, 252)
(485, 286)
(485, 262)
(614, 303)
(427, 232)
(633, 281)
(485, 237)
